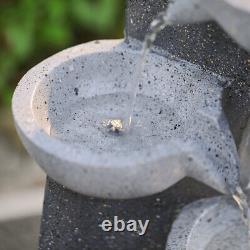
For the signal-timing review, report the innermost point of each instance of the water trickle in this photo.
(114, 125)
(241, 199)
(158, 24)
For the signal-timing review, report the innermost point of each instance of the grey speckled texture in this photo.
(232, 15)
(205, 44)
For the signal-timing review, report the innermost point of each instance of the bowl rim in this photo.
(27, 126)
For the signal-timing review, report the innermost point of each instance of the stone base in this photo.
(70, 220)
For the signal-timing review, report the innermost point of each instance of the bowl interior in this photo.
(75, 98)
(178, 128)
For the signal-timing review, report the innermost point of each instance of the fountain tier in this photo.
(179, 128)
(209, 224)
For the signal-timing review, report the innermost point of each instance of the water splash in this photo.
(114, 125)
(241, 199)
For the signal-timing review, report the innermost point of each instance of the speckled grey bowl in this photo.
(209, 224)
(178, 130)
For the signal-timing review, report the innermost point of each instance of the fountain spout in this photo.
(232, 15)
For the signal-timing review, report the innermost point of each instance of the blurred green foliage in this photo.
(31, 30)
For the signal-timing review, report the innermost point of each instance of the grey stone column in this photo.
(70, 220)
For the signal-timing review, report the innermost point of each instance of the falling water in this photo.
(241, 199)
(158, 24)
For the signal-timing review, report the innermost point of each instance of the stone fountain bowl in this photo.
(209, 224)
(178, 129)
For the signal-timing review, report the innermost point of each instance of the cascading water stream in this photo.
(242, 200)
(158, 24)
(117, 125)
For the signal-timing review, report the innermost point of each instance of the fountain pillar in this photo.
(71, 220)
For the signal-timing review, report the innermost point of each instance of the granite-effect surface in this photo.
(205, 44)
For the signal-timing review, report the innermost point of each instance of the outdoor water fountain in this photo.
(72, 114)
